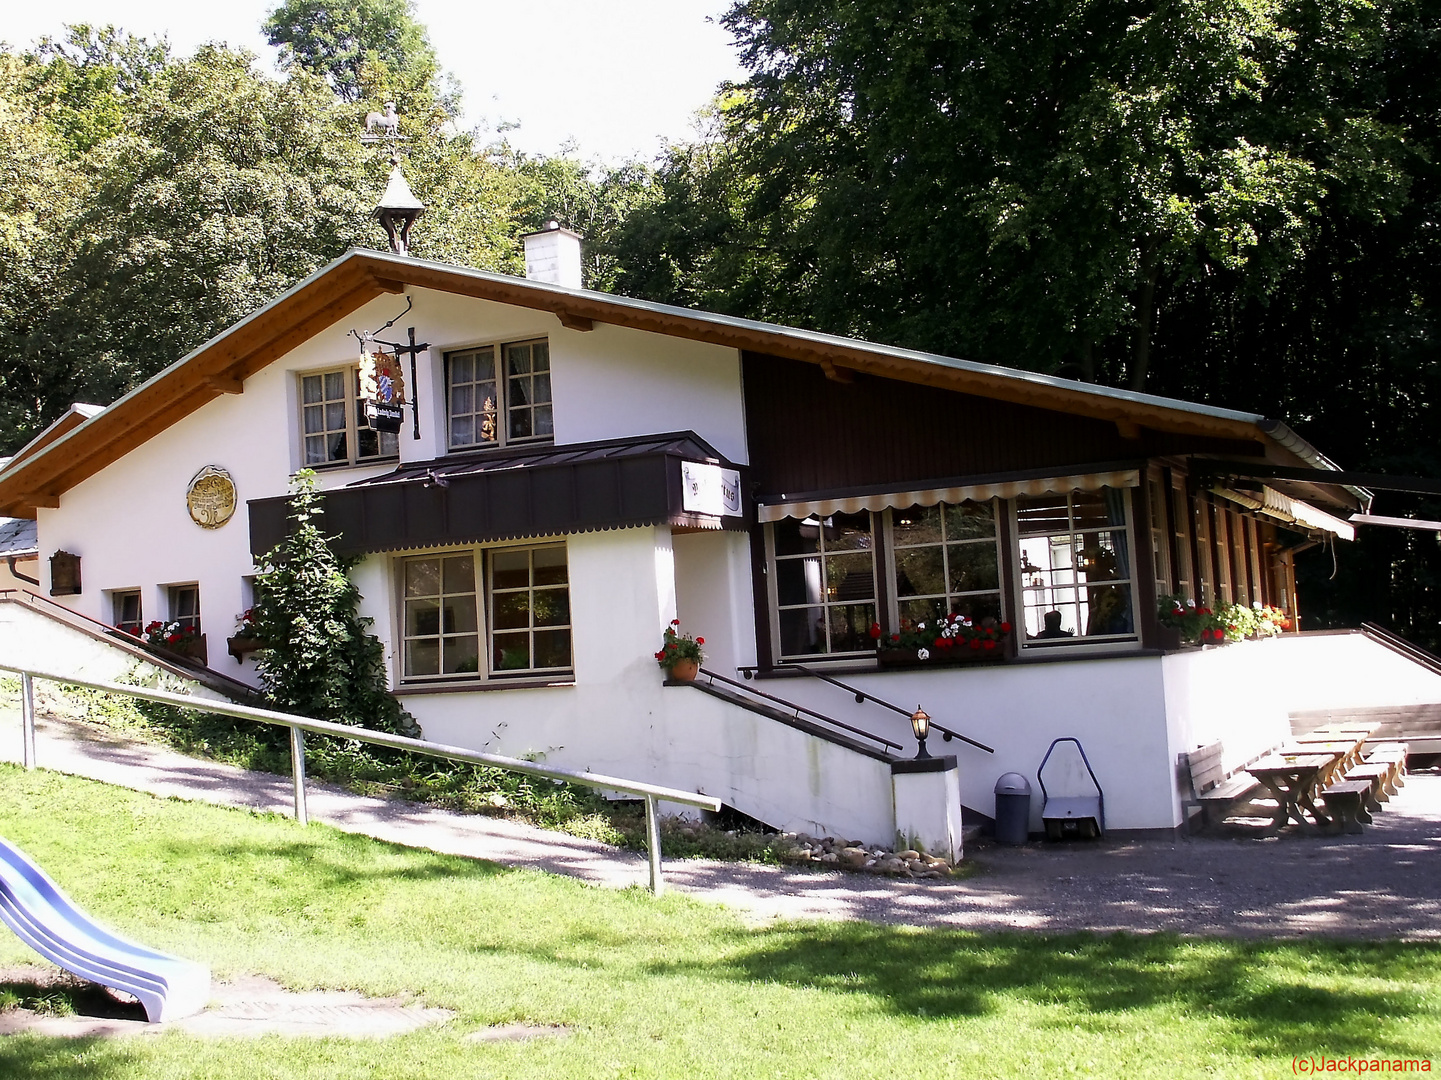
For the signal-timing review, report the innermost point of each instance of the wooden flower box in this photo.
(241, 647)
(190, 649)
(961, 656)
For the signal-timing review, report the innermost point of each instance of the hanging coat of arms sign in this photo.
(382, 388)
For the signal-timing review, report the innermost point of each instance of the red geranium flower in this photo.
(875, 631)
(990, 644)
(675, 622)
(939, 643)
(895, 637)
(975, 643)
(171, 639)
(700, 641)
(1005, 628)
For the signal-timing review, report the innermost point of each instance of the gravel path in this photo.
(1383, 884)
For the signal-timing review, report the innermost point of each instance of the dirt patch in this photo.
(47, 1001)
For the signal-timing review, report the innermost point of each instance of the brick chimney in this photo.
(553, 256)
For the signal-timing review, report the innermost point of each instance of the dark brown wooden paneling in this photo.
(811, 433)
(540, 500)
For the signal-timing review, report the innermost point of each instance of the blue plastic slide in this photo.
(45, 919)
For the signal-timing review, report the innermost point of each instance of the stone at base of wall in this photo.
(928, 806)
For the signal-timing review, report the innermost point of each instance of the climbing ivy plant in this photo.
(320, 658)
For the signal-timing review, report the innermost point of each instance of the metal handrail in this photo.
(298, 725)
(862, 696)
(822, 717)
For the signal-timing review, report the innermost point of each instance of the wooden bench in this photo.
(1378, 775)
(1346, 801)
(1214, 790)
(1393, 754)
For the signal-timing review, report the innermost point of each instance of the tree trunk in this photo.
(1088, 361)
(1145, 316)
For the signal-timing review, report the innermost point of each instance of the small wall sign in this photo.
(709, 489)
(211, 497)
(64, 574)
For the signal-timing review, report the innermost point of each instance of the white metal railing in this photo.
(298, 725)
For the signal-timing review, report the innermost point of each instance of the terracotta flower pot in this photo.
(685, 670)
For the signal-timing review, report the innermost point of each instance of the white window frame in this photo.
(773, 597)
(883, 562)
(173, 594)
(117, 600)
(504, 406)
(1079, 642)
(894, 598)
(354, 418)
(482, 563)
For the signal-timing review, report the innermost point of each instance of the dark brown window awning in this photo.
(513, 494)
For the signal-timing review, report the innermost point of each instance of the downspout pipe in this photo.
(16, 573)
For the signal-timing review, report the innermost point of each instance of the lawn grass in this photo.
(670, 987)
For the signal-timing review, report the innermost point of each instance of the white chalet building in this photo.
(521, 558)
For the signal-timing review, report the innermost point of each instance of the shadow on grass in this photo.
(1282, 998)
(35, 1057)
(318, 865)
(68, 996)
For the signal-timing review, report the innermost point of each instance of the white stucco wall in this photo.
(714, 599)
(618, 717)
(1115, 707)
(129, 522)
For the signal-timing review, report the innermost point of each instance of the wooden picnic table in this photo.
(1347, 751)
(1294, 779)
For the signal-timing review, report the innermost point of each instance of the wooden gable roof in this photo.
(221, 366)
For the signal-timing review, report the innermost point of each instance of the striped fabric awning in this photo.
(1281, 507)
(979, 492)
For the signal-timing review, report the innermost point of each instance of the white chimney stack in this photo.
(553, 256)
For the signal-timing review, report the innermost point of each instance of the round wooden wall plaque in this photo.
(211, 497)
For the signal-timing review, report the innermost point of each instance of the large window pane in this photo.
(796, 537)
(798, 581)
(820, 596)
(922, 571)
(530, 609)
(918, 525)
(1086, 546)
(970, 521)
(972, 567)
(944, 554)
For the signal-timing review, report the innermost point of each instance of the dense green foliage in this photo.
(147, 201)
(1235, 203)
(1228, 203)
(664, 988)
(319, 658)
(355, 44)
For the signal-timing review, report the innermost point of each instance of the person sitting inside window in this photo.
(1053, 627)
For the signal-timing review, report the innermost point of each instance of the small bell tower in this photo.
(398, 210)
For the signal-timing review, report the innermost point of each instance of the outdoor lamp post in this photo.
(921, 725)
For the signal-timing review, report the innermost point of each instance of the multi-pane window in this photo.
(825, 584)
(489, 407)
(946, 562)
(126, 613)
(1181, 540)
(442, 631)
(334, 428)
(1207, 594)
(530, 609)
(1075, 565)
(1220, 537)
(1160, 532)
(185, 606)
(522, 623)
